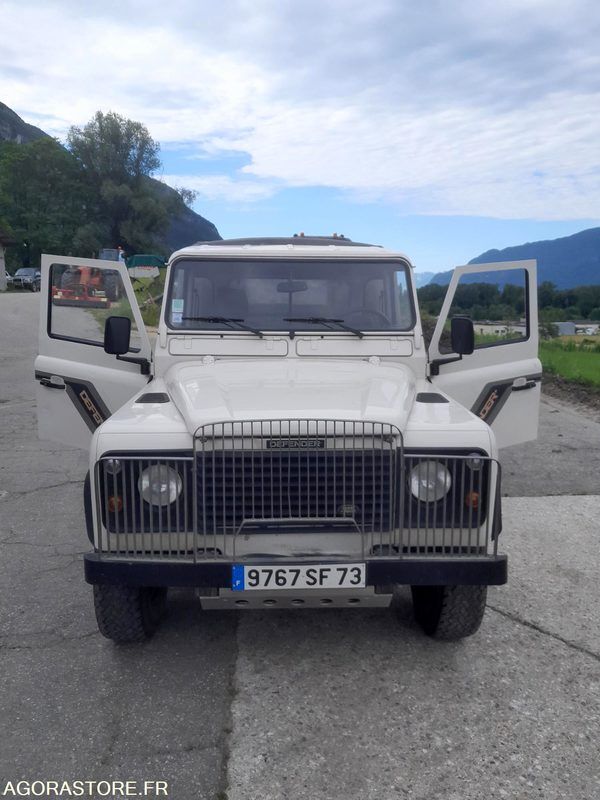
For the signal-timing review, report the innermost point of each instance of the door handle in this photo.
(521, 384)
(50, 384)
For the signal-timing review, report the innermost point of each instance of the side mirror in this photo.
(462, 335)
(117, 334)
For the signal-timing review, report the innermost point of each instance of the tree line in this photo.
(94, 192)
(482, 301)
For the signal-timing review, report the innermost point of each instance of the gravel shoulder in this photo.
(582, 398)
(565, 458)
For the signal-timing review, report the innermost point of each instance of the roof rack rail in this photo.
(296, 239)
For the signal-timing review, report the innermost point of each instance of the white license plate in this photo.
(298, 576)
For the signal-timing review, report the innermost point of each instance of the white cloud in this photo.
(467, 108)
(223, 187)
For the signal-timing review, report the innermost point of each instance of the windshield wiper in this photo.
(329, 323)
(227, 321)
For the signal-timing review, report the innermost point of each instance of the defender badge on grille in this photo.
(295, 444)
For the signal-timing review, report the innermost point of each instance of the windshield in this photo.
(24, 271)
(290, 295)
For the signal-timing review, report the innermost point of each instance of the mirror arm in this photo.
(434, 366)
(143, 362)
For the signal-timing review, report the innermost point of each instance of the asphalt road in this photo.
(315, 704)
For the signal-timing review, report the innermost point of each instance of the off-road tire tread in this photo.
(128, 613)
(458, 613)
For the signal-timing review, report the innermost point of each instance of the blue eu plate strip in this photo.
(237, 578)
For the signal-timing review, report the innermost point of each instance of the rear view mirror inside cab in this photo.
(289, 287)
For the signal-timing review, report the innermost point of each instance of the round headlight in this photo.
(160, 485)
(429, 481)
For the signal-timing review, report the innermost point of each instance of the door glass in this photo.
(82, 298)
(496, 301)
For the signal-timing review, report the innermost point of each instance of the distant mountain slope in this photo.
(567, 262)
(423, 278)
(188, 227)
(184, 229)
(14, 129)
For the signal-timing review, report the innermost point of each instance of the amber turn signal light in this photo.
(472, 500)
(115, 503)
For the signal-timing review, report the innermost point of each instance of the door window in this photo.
(496, 301)
(81, 299)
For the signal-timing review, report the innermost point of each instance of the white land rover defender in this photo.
(289, 439)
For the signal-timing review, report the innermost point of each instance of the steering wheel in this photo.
(375, 315)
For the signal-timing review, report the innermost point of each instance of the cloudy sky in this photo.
(438, 128)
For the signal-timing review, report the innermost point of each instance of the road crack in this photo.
(538, 629)
(22, 493)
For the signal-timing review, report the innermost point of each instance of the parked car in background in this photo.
(27, 278)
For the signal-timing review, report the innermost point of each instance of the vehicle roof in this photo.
(291, 246)
(297, 239)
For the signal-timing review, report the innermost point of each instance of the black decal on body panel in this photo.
(489, 403)
(85, 398)
(494, 395)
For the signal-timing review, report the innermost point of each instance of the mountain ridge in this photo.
(566, 262)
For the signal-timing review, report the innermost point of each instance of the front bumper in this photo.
(475, 571)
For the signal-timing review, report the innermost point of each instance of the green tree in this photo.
(43, 198)
(546, 294)
(111, 147)
(548, 330)
(117, 156)
(550, 314)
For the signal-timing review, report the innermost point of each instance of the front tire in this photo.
(128, 613)
(449, 613)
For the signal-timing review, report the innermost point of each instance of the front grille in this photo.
(310, 474)
(256, 480)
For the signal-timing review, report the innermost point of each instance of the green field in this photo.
(575, 360)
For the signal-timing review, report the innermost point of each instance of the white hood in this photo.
(231, 390)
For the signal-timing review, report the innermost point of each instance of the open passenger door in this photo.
(79, 384)
(500, 381)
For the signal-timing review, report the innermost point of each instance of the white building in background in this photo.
(566, 328)
(500, 328)
(587, 328)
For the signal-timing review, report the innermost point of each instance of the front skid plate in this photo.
(491, 571)
(302, 598)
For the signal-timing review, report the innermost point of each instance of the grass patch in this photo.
(577, 361)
